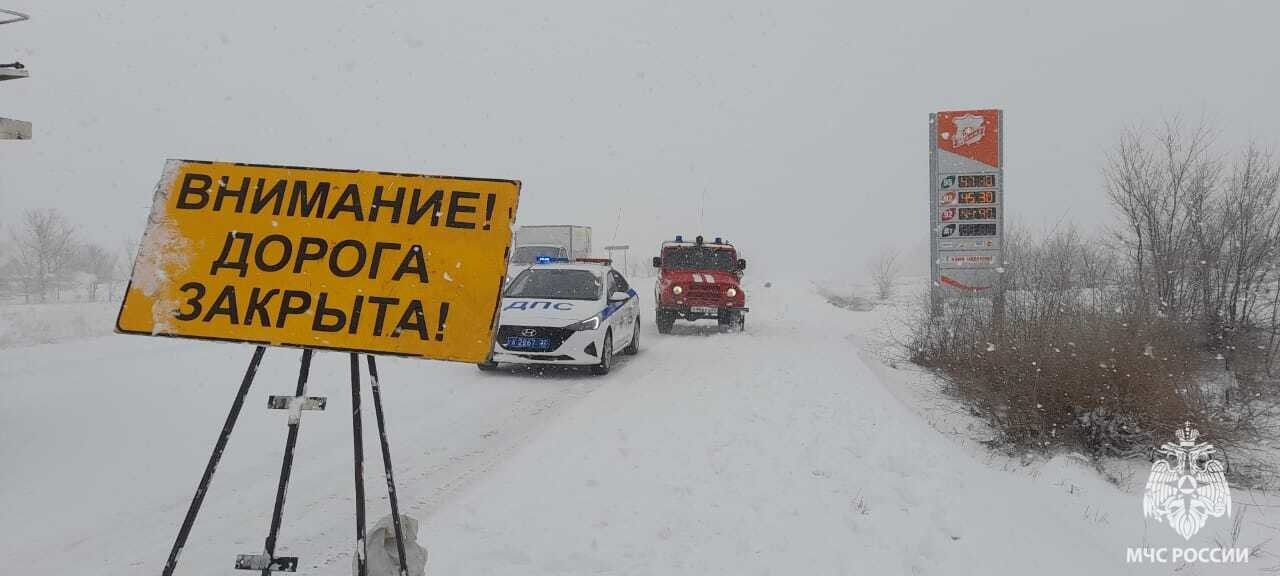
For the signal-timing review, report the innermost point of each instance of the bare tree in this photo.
(1160, 184)
(130, 249)
(99, 264)
(45, 251)
(7, 276)
(884, 273)
(1250, 221)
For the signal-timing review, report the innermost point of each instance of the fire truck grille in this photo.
(705, 292)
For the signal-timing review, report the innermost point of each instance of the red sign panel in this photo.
(974, 134)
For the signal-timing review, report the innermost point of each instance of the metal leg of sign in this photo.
(386, 462)
(357, 434)
(218, 448)
(267, 561)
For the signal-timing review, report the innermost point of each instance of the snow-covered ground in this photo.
(790, 449)
(27, 324)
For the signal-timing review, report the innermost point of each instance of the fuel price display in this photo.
(978, 197)
(970, 230)
(976, 181)
(983, 213)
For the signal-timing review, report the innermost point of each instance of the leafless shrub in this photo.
(884, 271)
(1069, 369)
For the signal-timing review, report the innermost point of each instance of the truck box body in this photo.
(556, 241)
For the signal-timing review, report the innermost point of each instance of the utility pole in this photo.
(11, 129)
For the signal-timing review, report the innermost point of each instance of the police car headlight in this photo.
(731, 292)
(677, 290)
(589, 324)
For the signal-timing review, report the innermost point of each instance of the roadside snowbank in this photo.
(31, 324)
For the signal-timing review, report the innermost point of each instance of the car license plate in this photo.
(708, 310)
(527, 343)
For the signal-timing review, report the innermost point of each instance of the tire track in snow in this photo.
(524, 419)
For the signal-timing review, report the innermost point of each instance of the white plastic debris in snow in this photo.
(382, 556)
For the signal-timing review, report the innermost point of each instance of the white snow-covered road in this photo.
(783, 450)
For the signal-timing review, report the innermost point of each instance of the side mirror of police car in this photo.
(618, 296)
(742, 264)
(657, 261)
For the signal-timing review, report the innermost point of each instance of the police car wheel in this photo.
(633, 348)
(665, 322)
(606, 356)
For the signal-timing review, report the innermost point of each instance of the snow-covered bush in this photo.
(1073, 364)
(848, 301)
(1110, 341)
(1112, 434)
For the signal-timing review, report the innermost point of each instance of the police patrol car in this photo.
(572, 313)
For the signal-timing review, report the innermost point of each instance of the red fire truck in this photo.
(699, 280)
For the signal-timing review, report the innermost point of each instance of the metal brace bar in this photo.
(357, 433)
(262, 562)
(218, 448)
(304, 403)
(386, 462)
(286, 468)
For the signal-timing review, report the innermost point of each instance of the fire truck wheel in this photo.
(665, 320)
(733, 321)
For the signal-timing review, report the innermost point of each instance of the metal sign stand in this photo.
(386, 465)
(11, 129)
(935, 288)
(966, 209)
(214, 458)
(267, 562)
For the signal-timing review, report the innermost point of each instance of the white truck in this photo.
(556, 241)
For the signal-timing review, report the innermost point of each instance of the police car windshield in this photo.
(555, 284)
(530, 254)
(699, 258)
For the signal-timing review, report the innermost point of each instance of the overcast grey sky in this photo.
(803, 125)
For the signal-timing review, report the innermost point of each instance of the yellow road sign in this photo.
(374, 262)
